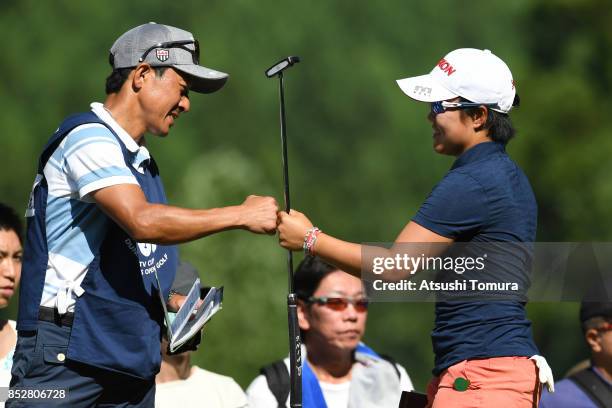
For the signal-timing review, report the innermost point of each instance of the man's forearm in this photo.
(164, 224)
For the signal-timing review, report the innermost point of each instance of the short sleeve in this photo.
(94, 159)
(259, 394)
(456, 206)
(405, 381)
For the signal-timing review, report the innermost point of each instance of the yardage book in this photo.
(189, 319)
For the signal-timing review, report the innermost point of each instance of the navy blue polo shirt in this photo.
(485, 197)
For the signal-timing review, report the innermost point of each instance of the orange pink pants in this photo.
(498, 382)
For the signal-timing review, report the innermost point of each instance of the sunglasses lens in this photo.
(361, 305)
(437, 108)
(340, 304)
(337, 303)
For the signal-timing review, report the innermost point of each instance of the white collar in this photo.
(141, 152)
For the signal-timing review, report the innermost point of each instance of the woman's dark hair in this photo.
(9, 220)
(498, 124)
(117, 78)
(309, 274)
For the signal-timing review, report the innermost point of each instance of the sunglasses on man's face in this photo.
(341, 303)
(195, 53)
(605, 327)
(442, 106)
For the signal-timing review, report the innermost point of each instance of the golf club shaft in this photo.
(295, 354)
(295, 344)
(285, 171)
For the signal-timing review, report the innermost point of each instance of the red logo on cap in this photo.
(445, 66)
(162, 54)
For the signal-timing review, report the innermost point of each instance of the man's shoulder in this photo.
(89, 132)
(567, 394)
(225, 385)
(75, 118)
(259, 387)
(211, 376)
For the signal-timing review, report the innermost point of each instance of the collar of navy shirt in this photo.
(478, 152)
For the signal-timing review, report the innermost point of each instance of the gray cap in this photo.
(166, 46)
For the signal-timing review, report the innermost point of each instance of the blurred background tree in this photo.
(360, 151)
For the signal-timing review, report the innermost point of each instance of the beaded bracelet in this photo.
(172, 293)
(309, 240)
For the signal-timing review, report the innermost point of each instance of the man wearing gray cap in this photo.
(100, 254)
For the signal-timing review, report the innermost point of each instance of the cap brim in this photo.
(423, 88)
(202, 79)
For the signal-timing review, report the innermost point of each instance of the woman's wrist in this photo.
(310, 239)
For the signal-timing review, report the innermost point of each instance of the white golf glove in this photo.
(544, 372)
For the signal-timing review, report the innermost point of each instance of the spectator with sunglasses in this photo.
(100, 252)
(480, 346)
(339, 371)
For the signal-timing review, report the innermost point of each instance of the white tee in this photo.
(336, 395)
(202, 389)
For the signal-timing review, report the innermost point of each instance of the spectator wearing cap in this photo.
(10, 272)
(181, 384)
(339, 371)
(100, 251)
(480, 347)
(590, 387)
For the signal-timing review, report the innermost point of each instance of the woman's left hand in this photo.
(292, 229)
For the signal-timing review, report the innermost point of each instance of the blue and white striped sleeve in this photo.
(94, 159)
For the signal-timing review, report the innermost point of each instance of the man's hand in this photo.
(177, 300)
(259, 214)
(292, 229)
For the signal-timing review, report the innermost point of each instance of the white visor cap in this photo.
(476, 75)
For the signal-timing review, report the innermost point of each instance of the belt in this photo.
(50, 314)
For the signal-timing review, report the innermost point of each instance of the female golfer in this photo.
(482, 349)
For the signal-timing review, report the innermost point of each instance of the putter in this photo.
(295, 343)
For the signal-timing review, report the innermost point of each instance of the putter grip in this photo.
(295, 354)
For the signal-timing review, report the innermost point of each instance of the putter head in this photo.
(281, 65)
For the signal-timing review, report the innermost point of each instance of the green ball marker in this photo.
(461, 384)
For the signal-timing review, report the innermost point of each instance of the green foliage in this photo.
(360, 151)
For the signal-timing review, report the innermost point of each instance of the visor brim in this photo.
(202, 79)
(424, 89)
